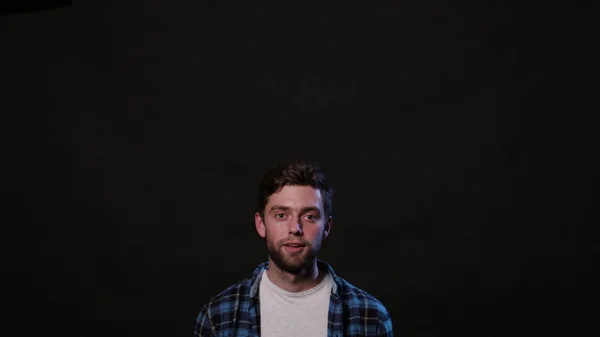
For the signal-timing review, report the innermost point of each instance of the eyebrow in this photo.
(303, 210)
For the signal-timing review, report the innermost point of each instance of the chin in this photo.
(297, 264)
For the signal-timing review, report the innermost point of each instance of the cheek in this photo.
(315, 233)
(276, 231)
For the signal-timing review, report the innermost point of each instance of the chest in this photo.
(340, 322)
(283, 315)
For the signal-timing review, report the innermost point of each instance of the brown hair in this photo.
(297, 173)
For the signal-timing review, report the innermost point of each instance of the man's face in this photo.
(294, 226)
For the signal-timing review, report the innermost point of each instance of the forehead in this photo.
(296, 196)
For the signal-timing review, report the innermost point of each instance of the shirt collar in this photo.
(258, 272)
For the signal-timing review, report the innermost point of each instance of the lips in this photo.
(294, 244)
(294, 247)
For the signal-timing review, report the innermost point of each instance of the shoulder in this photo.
(219, 309)
(362, 304)
(370, 311)
(224, 299)
(237, 293)
(355, 297)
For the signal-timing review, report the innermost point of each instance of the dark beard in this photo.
(290, 263)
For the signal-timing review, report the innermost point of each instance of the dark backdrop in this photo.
(137, 133)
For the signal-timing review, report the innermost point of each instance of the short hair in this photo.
(296, 173)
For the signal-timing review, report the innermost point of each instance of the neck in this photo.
(305, 279)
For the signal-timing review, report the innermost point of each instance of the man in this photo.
(294, 294)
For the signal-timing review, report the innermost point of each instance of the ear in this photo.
(260, 225)
(327, 229)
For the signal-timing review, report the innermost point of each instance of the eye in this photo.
(312, 217)
(280, 215)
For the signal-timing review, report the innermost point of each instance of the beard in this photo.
(291, 263)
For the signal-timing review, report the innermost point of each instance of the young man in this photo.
(294, 294)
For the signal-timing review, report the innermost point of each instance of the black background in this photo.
(137, 132)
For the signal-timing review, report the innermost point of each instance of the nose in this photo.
(295, 228)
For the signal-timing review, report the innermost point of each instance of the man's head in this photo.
(294, 214)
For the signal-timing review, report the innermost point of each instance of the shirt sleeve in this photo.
(384, 326)
(204, 327)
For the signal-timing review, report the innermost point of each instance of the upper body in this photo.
(294, 293)
(237, 311)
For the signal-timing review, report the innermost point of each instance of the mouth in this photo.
(295, 245)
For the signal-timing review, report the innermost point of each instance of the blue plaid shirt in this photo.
(236, 310)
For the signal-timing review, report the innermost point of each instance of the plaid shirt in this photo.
(236, 310)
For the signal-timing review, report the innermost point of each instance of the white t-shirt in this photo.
(289, 314)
